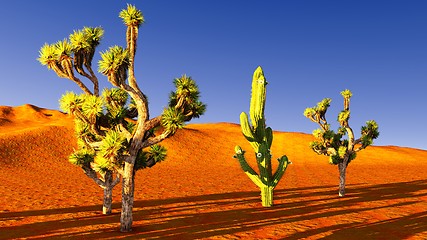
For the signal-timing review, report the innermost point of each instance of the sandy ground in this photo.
(200, 190)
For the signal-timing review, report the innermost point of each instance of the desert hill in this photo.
(200, 190)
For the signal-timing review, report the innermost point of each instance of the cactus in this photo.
(261, 138)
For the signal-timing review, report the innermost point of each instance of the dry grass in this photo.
(200, 190)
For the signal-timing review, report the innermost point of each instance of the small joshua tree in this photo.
(340, 151)
(115, 136)
(260, 137)
(65, 58)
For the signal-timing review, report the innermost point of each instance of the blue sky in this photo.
(309, 50)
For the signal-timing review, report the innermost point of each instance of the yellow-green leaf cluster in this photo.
(113, 144)
(131, 16)
(114, 64)
(69, 102)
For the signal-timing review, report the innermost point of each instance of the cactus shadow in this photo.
(218, 215)
(235, 213)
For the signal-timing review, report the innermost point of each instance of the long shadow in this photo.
(397, 228)
(391, 229)
(231, 213)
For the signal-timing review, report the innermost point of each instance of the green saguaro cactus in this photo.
(260, 137)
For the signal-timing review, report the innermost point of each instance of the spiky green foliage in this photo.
(92, 107)
(369, 133)
(93, 36)
(115, 101)
(48, 55)
(82, 157)
(261, 138)
(113, 144)
(155, 154)
(184, 104)
(158, 153)
(94, 126)
(346, 94)
(172, 120)
(69, 102)
(63, 48)
(84, 43)
(82, 130)
(102, 165)
(186, 98)
(74, 53)
(86, 39)
(131, 16)
(114, 65)
(115, 97)
(333, 144)
(107, 147)
(79, 40)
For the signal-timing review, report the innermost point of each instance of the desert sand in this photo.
(200, 191)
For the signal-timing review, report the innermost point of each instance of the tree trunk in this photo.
(128, 186)
(108, 193)
(342, 167)
(267, 196)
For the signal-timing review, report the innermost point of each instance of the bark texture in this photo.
(342, 170)
(128, 186)
(108, 193)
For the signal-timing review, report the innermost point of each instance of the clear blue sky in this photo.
(309, 50)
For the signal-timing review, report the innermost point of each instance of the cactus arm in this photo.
(269, 137)
(246, 167)
(247, 131)
(283, 164)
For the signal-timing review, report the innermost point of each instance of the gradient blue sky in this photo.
(309, 50)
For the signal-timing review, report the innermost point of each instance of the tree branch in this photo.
(152, 123)
(123, 130)
(58, 70)
(94, 80)
(351, 141)
(119, 170)
(117, 180)
(80, 84)
(91, 77)
(156, 139)
(358, 141)
(92, 174)
(93, 145)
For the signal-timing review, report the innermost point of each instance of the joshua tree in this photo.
(115, 136)
(65, 57)
(341, 151)
(260, 137)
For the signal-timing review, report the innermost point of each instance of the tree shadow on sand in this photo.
(237, 212)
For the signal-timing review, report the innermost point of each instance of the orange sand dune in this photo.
(200, 190)
(28, 116)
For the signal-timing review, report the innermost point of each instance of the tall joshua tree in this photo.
(120, 137)
(261, 138)
(341, 151)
